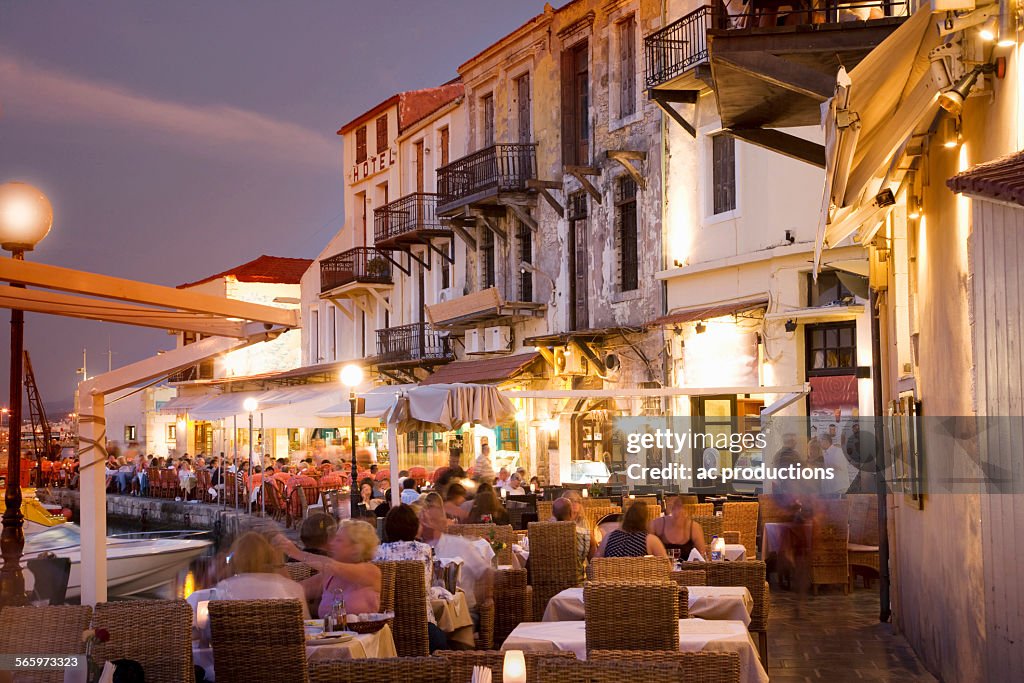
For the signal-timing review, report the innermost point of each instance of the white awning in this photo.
(875, 109)
(183, 404)
(819, 314)
(443, 407)
(379, 401)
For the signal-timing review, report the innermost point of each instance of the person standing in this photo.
(483, 469)
(835, 459)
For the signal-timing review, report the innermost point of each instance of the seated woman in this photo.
(632, 540)
(401, 527)
(487, 509)
(255, 565)
(348, 569)
(677, 531)
(456, 496)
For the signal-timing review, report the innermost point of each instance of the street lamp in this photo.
(351, 377)
(250, 405)
(25, 219)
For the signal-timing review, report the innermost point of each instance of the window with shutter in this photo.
(523, 105)
(524, 239)
(382, 133)
(627, 67)
(626, 233)
(361, 144)
(487, 104)
(723, 173)
(579, 312)
(487, 278)
(575, 106)
(419, 166)
(443, 144)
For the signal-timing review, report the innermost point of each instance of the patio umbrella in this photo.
(441, 408)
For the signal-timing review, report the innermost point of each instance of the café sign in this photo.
(373, 165)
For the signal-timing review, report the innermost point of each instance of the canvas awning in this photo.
(876, 108)
(379, 401)
(717, 310)
(482, 371)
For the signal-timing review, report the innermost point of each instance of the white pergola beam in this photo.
(54, 303)
(628, 392)
(68, 280)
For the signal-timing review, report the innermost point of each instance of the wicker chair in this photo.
(404, 669)
(275, 505)
(862, 550)
(700, 509)
(712, 527)
(202, 490)
(404, 593)
(298, 571)
(544, 510)
(461, 663)
(264, 636)
(304, 492)
(597, 502)
(552, 561)
(617, 617)
(559, 671)
(155, 633)
(742, 517)
(829, 537)
(503, 533)
(595, 513)
(513, 602)
(631, 568)
(54, 630)
(690, 577)
(696, 667)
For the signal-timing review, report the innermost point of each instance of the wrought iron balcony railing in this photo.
(504, 167)
(411, 216)
(202, 371)
(678, 47)
(415, 342)
(360, 264)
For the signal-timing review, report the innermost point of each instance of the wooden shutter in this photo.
(582, 103)
(419, 166)
(523, 95)
(382, 133)
(360, 144)
(627, 67)
(568, 108)
(444, 146)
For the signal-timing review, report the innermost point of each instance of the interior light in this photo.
(914, 208)
(987, 32)
(951, 132)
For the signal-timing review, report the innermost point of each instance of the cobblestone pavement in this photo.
(838, 638)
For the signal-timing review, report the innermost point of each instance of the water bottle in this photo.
(716, 550)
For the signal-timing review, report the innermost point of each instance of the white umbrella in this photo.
(441, 408)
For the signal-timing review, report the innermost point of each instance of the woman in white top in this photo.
(255, 566)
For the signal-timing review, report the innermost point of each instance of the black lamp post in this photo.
(352, 377)
(25, 219)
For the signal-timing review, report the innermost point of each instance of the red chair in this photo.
(275, 504)
(325, 469)
(419, 474)
(203, 486)
(303, 492)
(382, 475)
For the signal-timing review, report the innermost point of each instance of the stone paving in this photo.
(836, 637)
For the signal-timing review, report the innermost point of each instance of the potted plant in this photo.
(377, 266)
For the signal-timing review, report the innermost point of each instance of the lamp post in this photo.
(351, 377)
(250, 405)
(25, 219)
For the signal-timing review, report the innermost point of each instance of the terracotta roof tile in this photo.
(1001, 179)
(416, 105)
(483, 370)
(276, 269)
(690, 315)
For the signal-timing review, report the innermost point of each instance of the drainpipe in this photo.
(884, 607)
(666, 374)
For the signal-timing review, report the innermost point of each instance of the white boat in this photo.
(134, 565)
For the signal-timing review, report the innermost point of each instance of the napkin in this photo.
(440, 593)
(107, 675)
(695, 556)
(481, 674)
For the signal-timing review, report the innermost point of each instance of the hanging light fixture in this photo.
(700, 327)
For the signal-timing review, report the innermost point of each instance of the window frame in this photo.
(621, 25)
(627, 194)
(360, 150)
(487, 120)
(706, 159)
(381, 128)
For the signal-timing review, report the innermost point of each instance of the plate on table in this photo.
(330, 638)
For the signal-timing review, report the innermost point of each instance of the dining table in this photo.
(452, 615)
(715, 603)
(695, 635)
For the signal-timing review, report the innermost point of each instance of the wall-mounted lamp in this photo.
(951, 132)
(913, 208)
(677, 330)
(989, 29)
(790, 325)
(677, 263)
(952, 100)
(1006, 36)
(700, 327)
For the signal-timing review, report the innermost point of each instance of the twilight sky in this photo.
(178, 139)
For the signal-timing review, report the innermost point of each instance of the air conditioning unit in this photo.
(474, 342)
(448, 294)
(612, 366)
(498, 338)
(568, 361)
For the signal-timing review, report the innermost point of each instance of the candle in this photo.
(533, 488)
(504, 493)
(514, 670)
(203, 615)
(584, 493)
(632, 497)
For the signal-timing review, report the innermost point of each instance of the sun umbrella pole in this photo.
(393, 463)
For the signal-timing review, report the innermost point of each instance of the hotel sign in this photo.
(373, 165)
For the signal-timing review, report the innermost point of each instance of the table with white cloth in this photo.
(695, 635)
(453, 617)
(735, 552)
(717, 603)
(360, 646)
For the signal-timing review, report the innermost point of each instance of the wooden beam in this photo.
(784, 73)
(626, 159)
(445, 256)
(666, 106)
(491, 225)
(543, 184)
(381, 299)
(348, 313)
(91, 284)
(464, 236)
(783, 143)
(680, 96)
(54, 303)
(395, 262)
(543, 187)
(581, 173)
(524, 216)
(546, 354)
(425, 264)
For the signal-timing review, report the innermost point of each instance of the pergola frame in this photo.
(230, 324)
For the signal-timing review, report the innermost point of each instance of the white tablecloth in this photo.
(454, 619)
(735, 552)
(362, 646)
(729, 603)
(695, 635)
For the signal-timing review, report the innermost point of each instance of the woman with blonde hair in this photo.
(349, 571)
(256, 567)
(677, 531)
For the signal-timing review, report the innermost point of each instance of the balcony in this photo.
(194, 373)
(765, 75)
(483, 308)
(355, 272)
(483, 176)
(409, 220)
(415, 344)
